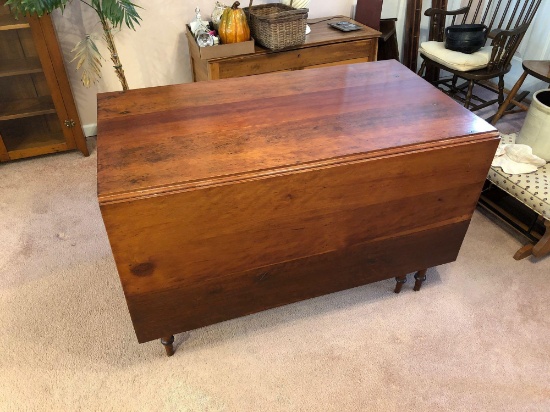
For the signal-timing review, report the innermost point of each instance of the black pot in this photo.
(465, 38)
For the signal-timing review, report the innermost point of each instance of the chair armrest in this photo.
(505, 44)
(493, 33)
(432, 12)
(498, 34)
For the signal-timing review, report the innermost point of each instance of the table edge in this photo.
(185, 186)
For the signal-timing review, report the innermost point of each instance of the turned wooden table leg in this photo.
(401, 280)
(420, 277)
(168, 343)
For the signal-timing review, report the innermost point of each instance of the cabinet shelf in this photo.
(19, 109)
(15, 67)
(8, 22)
(34, 140)
(39, 134)
(28, 147)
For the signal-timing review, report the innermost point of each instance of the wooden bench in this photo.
(532, 190)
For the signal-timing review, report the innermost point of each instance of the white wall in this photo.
(157, 54)
(154, 55)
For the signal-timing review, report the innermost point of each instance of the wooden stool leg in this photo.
(543, 245)
(168, 343)
(539, 249)
(420, 277)
(524, 252)
(401, 280)
(509, 98)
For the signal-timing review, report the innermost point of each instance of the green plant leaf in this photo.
(89, 60)
(38, 7)
(116, 12)
(120, 11)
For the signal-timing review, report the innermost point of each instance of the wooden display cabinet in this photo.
(37, 110)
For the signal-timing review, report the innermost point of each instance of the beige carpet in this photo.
(476, 338)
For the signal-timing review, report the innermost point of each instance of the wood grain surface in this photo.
(538, 68)
(329, 54)
(322, 33)
(219, 205)
(174, 137)
(211, 300)
(219, 229)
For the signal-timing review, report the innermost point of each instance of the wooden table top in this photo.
(538, 68)
(171, 138)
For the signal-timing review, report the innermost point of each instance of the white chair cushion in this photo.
(463, 62)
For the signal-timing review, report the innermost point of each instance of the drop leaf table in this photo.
(229, 197)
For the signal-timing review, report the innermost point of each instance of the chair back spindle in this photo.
(502, 14)
(494, 15)
(476, 13)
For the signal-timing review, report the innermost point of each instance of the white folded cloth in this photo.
(517, 159)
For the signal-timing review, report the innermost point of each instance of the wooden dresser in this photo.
(324, 46)
(219, 204)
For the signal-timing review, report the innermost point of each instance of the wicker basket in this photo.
(276, 25)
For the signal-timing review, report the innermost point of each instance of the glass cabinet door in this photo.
(33, 117)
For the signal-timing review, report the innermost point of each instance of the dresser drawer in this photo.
(329, 54)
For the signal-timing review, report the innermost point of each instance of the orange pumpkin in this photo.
(233, 25)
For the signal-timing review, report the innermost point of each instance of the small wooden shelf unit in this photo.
(37, 110)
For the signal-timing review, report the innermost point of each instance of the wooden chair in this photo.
(536, 68)
(369, 13)
(387, 43)
(507, 22)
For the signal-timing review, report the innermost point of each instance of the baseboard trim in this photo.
(90, 129)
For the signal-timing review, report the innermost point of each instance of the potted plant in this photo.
(111, 13)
